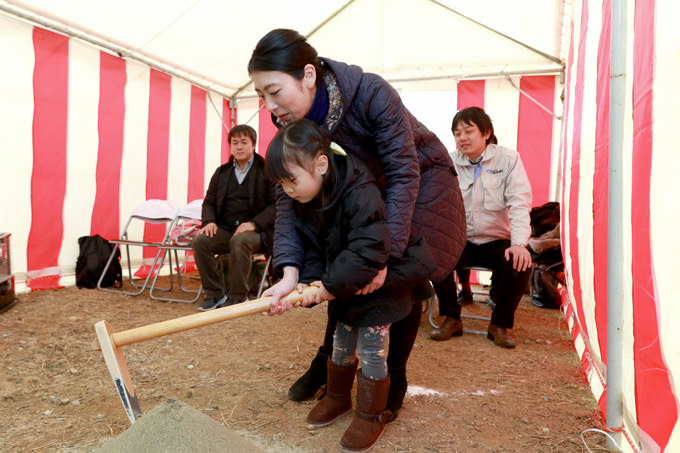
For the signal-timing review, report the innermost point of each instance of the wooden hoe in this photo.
(111, 343)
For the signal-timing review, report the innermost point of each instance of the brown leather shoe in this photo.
(450, 328)
(500, 336)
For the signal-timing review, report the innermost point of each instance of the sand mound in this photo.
(177, 427)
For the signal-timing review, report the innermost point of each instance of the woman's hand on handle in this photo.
(288, 283)
(375, 284)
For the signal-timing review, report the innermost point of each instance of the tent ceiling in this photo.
(400, 39)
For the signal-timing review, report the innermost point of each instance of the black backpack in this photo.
(94, 253)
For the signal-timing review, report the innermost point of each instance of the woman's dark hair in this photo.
(298, 143)
(478, 117)
(286, 51)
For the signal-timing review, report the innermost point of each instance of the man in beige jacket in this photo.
(497, 197)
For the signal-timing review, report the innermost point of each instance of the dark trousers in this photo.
(507, 284)
(240, 248)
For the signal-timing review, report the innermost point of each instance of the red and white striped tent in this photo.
(623, 314)
(106, 104)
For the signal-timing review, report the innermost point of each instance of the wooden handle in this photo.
(162, 328)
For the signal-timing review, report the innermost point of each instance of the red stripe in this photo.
(267, 130)
(48, 177)
(601, 180)
(576, 170)
(534, 133)
(656, 404)
(110, 124)
(196, 176)
(470, 93)
(226, 127)
(158, 145)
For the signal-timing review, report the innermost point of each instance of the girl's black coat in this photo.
(347, 241)
(413, 168)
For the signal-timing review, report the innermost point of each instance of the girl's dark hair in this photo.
(286, 51)
(298, 143)
(478, 117)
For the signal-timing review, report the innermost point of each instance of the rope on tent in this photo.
(507, 77)
(595, 430)
(219, 114)
(172, 22)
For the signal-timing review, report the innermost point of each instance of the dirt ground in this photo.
(465, 395)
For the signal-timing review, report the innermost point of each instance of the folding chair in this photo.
(190, 212)
(149, 212)
(193, 212)
(433, 315)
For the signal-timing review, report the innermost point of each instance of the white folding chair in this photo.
(190, 212)
(152, 211)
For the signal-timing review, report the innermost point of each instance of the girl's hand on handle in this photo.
(287, 284)
(322, 295)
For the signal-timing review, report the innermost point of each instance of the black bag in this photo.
(544, 283)
(94, 253)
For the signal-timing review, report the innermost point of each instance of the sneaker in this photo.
(210, 303)
(230, 301)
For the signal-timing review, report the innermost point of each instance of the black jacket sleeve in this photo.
(288, 247)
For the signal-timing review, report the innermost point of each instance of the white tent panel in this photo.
(178, 153)
(533, 22)
(396, 38)
(214, 126)
(501, 102)
(82, 143)
(664, 193)
(16, 159)
(437, 49)
(133, 169)
(434, 109)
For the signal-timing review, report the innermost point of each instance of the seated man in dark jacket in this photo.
(238, 218)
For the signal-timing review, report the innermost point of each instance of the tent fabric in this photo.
(650, 314)
(192, 35)
(91, 133)
(125, 133)
(535, 134)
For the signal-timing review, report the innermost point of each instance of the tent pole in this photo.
(615, 270)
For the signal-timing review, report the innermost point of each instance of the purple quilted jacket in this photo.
(413, 168)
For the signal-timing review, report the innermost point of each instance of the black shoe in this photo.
(313, 380)
(465, 297)
(211, 303)
(231, 301)
(395, 397)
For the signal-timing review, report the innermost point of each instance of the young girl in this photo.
(346, 240)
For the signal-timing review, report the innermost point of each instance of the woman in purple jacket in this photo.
(364, 114)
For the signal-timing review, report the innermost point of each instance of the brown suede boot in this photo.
(338, 398)
(367, 425)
